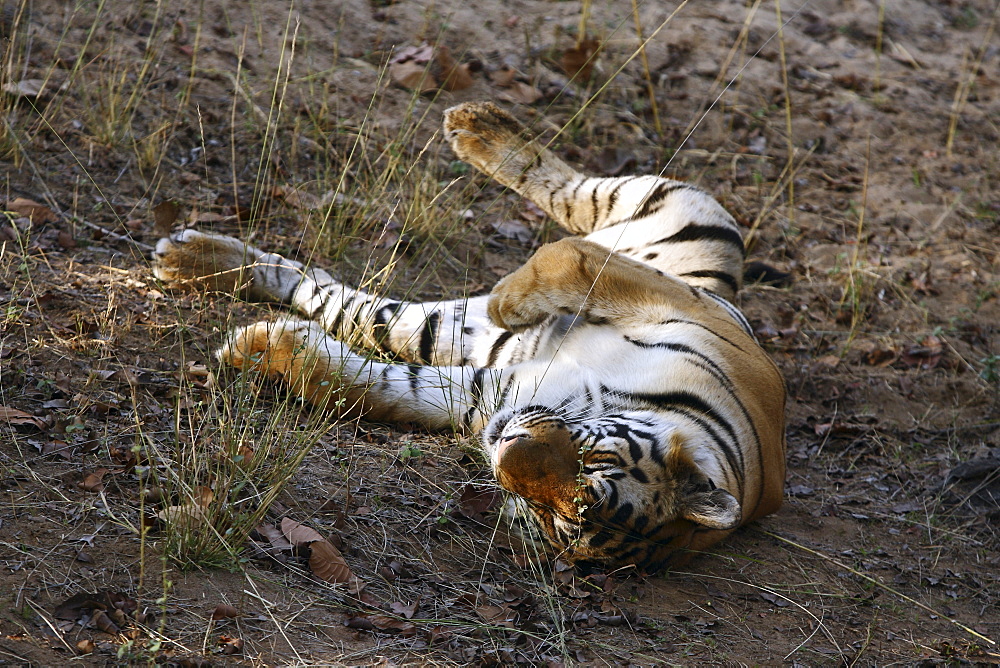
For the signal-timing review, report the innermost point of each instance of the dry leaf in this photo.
(24, 88)
(453, 76)
(164, 215)
(494, 614)
(520, 93)
(925, 355)
(504, 76)
(327, 563)
(94, 482)
(103, 622)
(513, 229)
(19, 418)
(299, 534)
(231, 645)
(578, 61)
(188, 516)
(225, 611)
(410, 68)
(274, 536)
(477, 499)
(86, 646)
(412, 76)
(405, 609)
(381, 623)
(38, 213)
(299, 199)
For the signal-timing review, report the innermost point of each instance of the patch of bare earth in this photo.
(858, 145)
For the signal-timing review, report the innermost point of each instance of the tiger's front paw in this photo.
(558, 280)
(215, 261)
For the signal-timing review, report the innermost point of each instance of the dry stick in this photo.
(878, 583)
(645, 68)
(788, 108)
(772, 592)
(581, 32)
(965, 84)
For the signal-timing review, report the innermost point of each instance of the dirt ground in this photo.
(858, 144)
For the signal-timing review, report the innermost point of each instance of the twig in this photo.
(877, 583)
(109, 233)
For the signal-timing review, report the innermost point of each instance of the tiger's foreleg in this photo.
(327, 374)
(582, 278)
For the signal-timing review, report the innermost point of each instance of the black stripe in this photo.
(593, 205)
(475, 395)
(658, 194)
(356, 318)
(677, 321)
(572, 198)
(413, 371)
(709, 364)
(613, 195)
(726, 278)
(335, 328)
(428, 336)
(694, 406)
(634, 449)
(696, 232)
(497, 346)
(380, 329)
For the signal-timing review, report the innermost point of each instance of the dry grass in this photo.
(280, 147)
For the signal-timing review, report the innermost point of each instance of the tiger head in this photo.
(611, 493)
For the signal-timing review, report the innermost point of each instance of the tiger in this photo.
(621, 398)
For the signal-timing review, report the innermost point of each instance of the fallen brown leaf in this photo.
(410, 68)
(38, 213)
(519, 92)
(299, 534)
(274, 536)
(926, 354)
(164, 216)
(86, 646)
(225, 611)
(231, 645)
(381, 623)
(189, 516)
(405, 609)
(94, 482)
(453, 76)
(476, 500)
(19, 418)
(327, 563)
(578, 61)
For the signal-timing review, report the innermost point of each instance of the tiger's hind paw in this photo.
(491, 140)
(217, 262)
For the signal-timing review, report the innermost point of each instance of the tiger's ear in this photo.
(713, 508)
(698, 499)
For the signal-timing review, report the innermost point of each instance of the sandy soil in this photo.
(858, 146)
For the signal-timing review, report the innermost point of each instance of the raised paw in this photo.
(211, 260)
(555, 281)
(490, 139)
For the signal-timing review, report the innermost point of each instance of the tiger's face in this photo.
(612, 491)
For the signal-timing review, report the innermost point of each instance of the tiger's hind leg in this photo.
(455, 332)
(670, 225)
